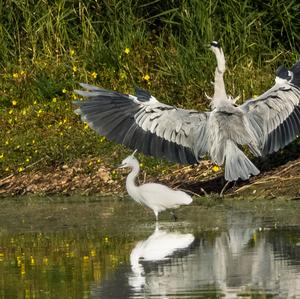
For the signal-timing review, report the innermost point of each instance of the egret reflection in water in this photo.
(242, 260)
(160, 246)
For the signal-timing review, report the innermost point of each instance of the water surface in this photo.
(111, 248)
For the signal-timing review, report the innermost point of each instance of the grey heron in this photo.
(265, 124)
(157, 197)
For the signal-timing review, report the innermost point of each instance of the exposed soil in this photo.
(283, 180)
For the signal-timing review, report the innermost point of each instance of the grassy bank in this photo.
(47, 47)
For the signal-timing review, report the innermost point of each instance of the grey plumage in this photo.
(265, 124)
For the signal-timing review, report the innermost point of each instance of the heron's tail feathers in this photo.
(237, 164)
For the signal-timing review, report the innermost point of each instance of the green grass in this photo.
(47, 47)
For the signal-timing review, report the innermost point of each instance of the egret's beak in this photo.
(121, 165)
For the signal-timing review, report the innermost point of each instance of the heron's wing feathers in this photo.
(275, 115)
(141, 122)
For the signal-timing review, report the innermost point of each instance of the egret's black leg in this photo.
(174, 216)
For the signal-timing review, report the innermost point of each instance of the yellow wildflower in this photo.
(22, 73)
(23, 272)
(14, 102)
(123, 75)
(19, 260)
(45, 261)
(54, 100)
(10, 111)
(27, 160)
(64, 91)
(94, 75)
(72, 52)
(86, 126)
(1, 156)
(32, 261)
(15, 75)
(74, 68)
(215, 168)
(7, 169)
(6, 142)
(20, 169)
(146, 77)
(126, 51)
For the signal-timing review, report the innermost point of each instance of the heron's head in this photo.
(216, 48)
(130, 161)
(214, 44)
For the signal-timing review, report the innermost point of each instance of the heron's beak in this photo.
(214, 44)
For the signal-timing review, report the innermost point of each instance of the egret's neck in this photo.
(131, 187)
(133, 174)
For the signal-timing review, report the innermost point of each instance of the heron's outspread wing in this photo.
(141, 122)
(275, 115)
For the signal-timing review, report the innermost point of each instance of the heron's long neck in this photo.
(219, 88)
(220, 97)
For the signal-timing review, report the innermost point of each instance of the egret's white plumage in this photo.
(155, 196)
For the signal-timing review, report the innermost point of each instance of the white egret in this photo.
(155, 196)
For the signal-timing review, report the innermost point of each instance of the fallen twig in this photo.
(14, 174)
(265, 180)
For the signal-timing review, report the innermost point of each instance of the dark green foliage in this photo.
(47, 47)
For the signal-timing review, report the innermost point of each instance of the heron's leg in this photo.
(224, 189)
(174, 215)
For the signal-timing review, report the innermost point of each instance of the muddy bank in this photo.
(81, 178)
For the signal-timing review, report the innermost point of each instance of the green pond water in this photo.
(95, 247)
